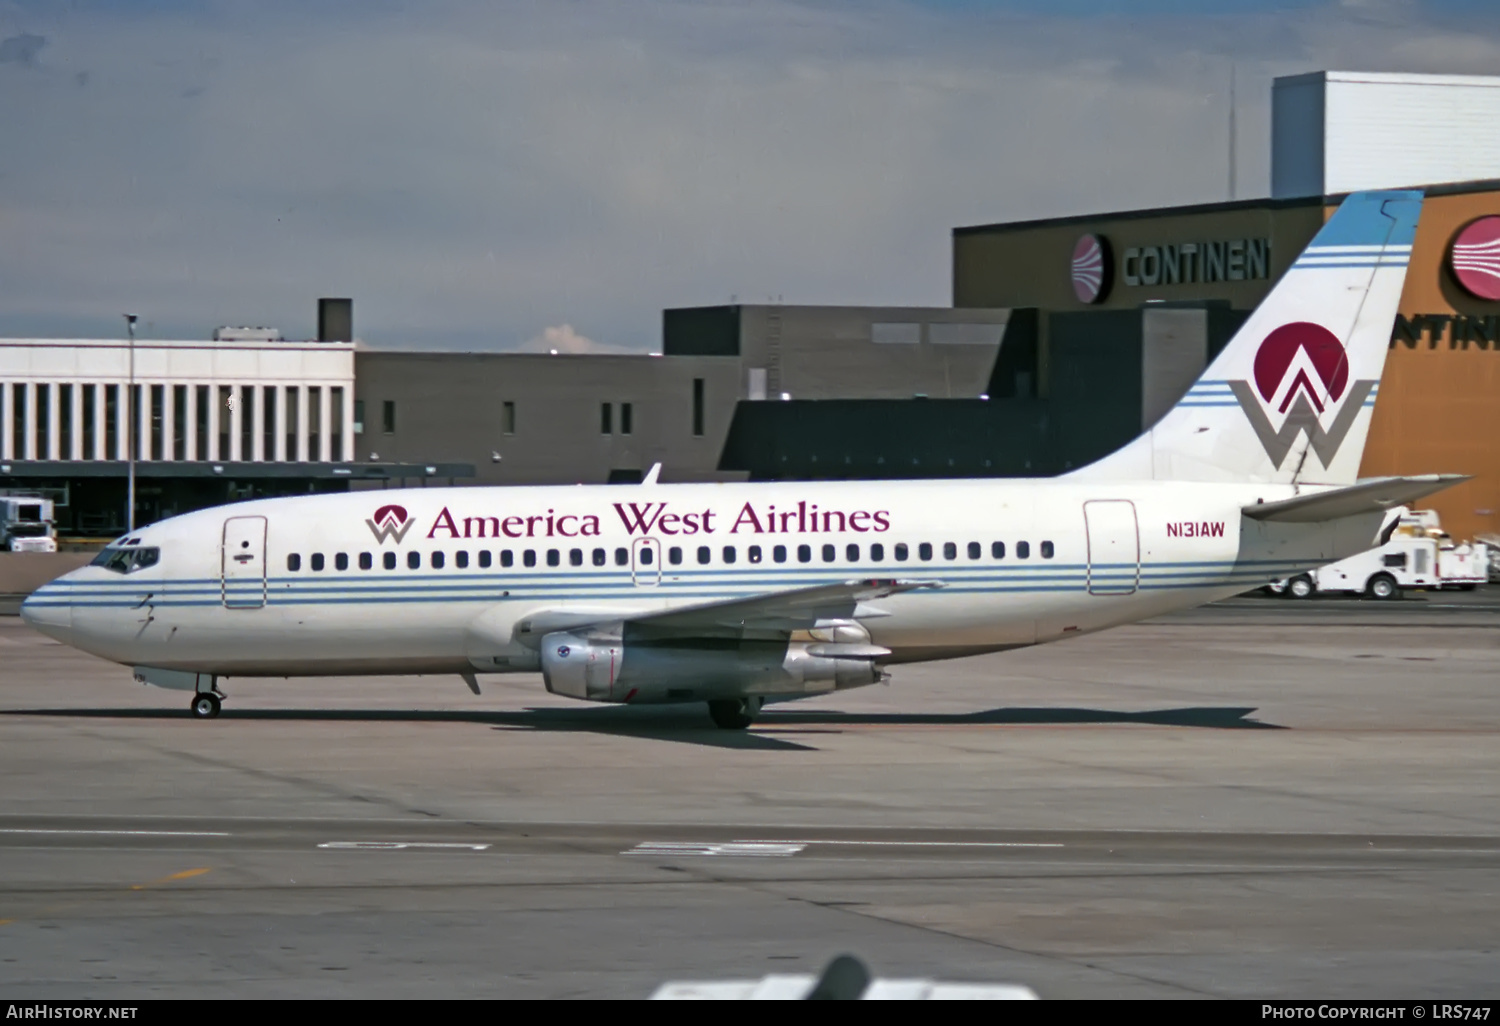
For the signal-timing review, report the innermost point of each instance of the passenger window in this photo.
(877, 552)
(975, 550)
(341, 561)
(315, 561)
(753, 553)
(924, 551)
(554, 557)
(729, 555)
(830, 553)
(293, 562)
(704, 554)
(950, 550)
(461, 558)
(674, 555)
(901, 552)
(997, 550)
(414, 561)
(622, 557)
(1023, 550)
(528, 557)
(1047, 550)
(779, 553)
(366, 561)
(506, 559)
(437, 560)
(645, 555)
(600, 557)
(389, 561)
(575, 557)
(851, 553)
(485, 559)
(804, 553)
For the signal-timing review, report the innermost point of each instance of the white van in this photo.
(27, 524)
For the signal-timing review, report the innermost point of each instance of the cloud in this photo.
(562, 339)
(471, 173)
(21, 49)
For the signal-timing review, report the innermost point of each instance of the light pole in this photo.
(130, 432)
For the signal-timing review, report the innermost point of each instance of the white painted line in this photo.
(122, 833)
(399, 845)
(924, 844)
(779, 849)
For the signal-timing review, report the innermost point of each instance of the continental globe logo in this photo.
(1474, 258)
(1091, 268)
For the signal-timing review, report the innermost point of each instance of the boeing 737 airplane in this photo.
(740, 594)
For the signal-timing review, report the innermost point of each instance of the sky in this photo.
(552, 174)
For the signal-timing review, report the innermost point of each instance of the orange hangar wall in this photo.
(1439, 404)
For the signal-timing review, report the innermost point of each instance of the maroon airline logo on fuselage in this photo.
(1303, 400)
(389, 522)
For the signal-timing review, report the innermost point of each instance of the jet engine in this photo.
(615, 666)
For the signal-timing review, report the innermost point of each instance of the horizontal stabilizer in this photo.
(1371, 496)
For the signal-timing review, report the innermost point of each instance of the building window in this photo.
(200, 422)
(43, 422)
(268, 423)
(226, 413)
(508, 418)
(698, 407)
(158, 418)
(336, 425)
(18, 420)
(359, 416)
(247, 423)
(133, 417)
(179, 422)
(64, 422)
(112, 422)
(315, 425)
(291, 415)
(627, 420)
(388, 416)
(606, 418)
(90, 421)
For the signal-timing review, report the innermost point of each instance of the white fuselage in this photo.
(1020, 562)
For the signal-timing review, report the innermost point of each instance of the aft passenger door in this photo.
(645, 562)
(1114, 547)
(243, 562)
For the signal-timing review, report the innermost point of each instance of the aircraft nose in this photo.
(48, 609)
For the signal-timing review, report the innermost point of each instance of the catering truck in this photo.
(1419, 554)
(27, 524)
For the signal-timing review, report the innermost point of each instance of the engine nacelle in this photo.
(606, 666)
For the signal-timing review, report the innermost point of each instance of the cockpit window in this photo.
(124, 561)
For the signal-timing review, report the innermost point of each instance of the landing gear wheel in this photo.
(1382, 586)
(733, 713)
(1300, 587)
(205, 706)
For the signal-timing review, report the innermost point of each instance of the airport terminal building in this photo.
(1066, 338)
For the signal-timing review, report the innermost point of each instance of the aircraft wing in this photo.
(795, 609)
(1381, 493)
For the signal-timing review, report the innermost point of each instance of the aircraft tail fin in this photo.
(1290, 397)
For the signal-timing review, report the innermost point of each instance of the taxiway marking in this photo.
(122, 833)
(774, 849)
(399, 845)
(924, 844)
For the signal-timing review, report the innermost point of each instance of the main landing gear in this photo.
(206, 704)
(734, 713)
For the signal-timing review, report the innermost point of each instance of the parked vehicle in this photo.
(1420, 554)
(27, 524)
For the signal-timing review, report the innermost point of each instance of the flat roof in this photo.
(1189, 210)
(227, 470)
